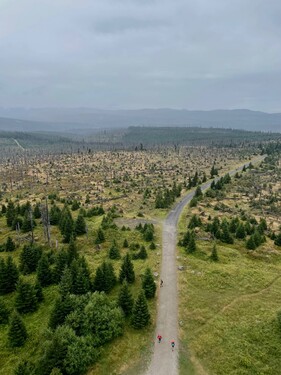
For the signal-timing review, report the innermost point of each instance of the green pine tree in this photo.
(62, 307)
(125, 299)
(4, 313)
(142, 253)
(65, 286)
(26, 300)
(214, 255)
(38, 291)
(127, 270)
(140, 313)
(36, 211)
(61, 261)
(17, 334)
(100, 237)
(191, 247)
(10, 213)
(3, 277)
(152, 246)
(114, 252)
(125, 243)
(250, 244)
(148, 284)
(98, 283)
(226, 236)
(80, 225)
(240, 232)
(72, 251)
(12, 275)
(277, 240)
(10, 245)
(29, 258)
(44, 273)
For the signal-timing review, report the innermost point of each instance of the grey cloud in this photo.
(133, 54)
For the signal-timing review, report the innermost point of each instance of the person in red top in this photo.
(159, 337)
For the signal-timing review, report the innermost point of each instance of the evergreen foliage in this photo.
(191, 247)
(195, 221)
(114, 252)
(96, 315)
(10, 213)
(62, 307)
(125, 299)
(277, 240)
(44, 273)
(4, 313)
(148, 284)
(38, 291)
(10, 245)
(105, 278)
(25, 368)
(26, 300)
(100, 237)
(65, 286)
(127, 270)
(72, 251)
(152, 246)
(240, 232)
(17, 334)
(250, 244)
(61, 261)
(140, 313)
(198, 193)
(9, 276)
(214, 255)
(55, 215)
(36, 211)
(80, 225)
(66, 225)
(29, 258)
(67, 352)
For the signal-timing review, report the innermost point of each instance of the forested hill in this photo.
(148, 136)
(90, 118)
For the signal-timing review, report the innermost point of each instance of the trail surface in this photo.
(164, 360)
(17, 142)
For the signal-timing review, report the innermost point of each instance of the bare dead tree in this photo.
(46, 220)
(31, 225)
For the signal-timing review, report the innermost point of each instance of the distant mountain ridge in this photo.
(67, 119)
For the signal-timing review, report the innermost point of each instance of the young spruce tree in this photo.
(125, 299)
(17, 334)
(127, 270)
(140, 314)
(148, 284)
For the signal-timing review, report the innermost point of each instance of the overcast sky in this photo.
(203, 54)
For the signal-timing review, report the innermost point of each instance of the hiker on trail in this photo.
(161, 283)
(159, 337)
(173, 345)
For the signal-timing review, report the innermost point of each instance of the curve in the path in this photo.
(164, 360)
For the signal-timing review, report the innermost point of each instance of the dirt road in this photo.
(164, 360)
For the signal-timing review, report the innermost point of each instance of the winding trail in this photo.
(19, 145)
(165, 361)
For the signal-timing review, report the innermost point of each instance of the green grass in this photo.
(228, 310)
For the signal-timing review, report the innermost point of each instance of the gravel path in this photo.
(164, 360)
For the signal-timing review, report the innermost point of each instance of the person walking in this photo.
(173, 345)
(159, 337)
(161, 283)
